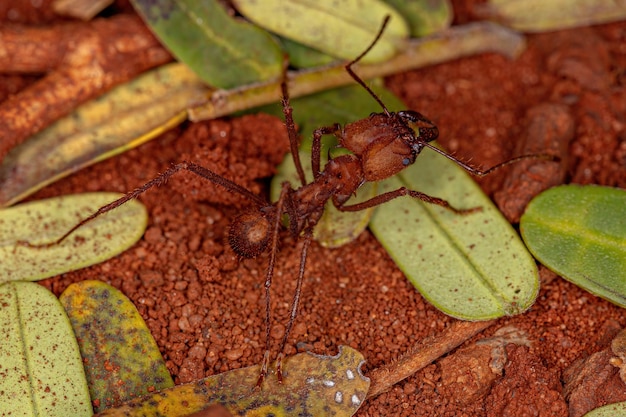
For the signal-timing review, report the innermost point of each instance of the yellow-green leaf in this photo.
(122, 360)
(41, 372)
(44, 221)
(223, 51)
(611, 410)
(542, 15)
(425, 16)
(313, 385)
(341, 29)
(472, 266)
(579, 232)
(122, 119)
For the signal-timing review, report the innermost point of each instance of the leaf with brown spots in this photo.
(122, 360)
(41, 373)
(42, 222)
(473, 266)
(313, 385)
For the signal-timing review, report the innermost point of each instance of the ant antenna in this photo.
(480, 173)
(358, 58)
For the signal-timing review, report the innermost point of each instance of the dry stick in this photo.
(427, 351)
(100, 55)
(550, 127)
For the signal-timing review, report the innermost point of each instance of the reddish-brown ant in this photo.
(382, 145)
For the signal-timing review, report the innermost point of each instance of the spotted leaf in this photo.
(122, 360)
(41, 373)
(313, 385)
(474, 266)
(44, 221)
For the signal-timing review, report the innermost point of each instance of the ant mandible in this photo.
(382, 145)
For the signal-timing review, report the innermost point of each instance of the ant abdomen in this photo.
(250, 233)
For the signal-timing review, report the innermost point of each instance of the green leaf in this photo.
(313, 385)
(611, 410)
(122, 360)
(44, 221)
(341, 29)
(221, 50)
(425, 16)
(471, 266)
(541, 15)
(41, 372)
(579, 232)
(302, 56)
(121, 119)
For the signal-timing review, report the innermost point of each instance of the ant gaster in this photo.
(382, 145)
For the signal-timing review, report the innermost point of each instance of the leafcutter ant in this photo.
(381, 146)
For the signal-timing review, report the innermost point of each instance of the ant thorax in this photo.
(339, 180)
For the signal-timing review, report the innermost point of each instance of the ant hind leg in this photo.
(268, 283)
(308, 236)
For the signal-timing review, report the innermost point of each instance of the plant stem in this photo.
(423, 354)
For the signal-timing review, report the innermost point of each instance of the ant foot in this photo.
(28, 244)
(467, 211)
(264, 366)
(279, 367)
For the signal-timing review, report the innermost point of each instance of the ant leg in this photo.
(268, 282)
(158, 181)
(316, 147)
(308, 236)
(290, 125)
(390, 195)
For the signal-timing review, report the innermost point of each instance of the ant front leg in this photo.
(158, 181)
(290, 124)
(400, 192)
(316, 147)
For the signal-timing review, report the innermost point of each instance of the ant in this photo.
(382, 145)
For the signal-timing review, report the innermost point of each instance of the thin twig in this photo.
(423, 354)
